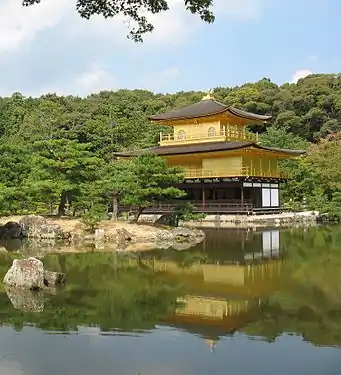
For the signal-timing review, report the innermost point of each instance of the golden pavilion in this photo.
(227, 170)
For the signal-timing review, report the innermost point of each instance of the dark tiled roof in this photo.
(204, 147)
(248, 115)
(206, 108)
(284, 150)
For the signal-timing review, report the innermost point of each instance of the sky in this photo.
(48, 48)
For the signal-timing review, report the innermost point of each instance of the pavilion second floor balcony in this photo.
(227, 133)
(234, 172)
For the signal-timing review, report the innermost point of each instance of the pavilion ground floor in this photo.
(235, 197)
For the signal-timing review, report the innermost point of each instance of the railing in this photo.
(213, 207)
(208, 207)
(232, 172)
(228, 133)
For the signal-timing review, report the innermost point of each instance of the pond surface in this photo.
(261, 302)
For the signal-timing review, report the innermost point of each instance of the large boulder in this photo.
(14, 229)
(26, 273)
(38, 227)
(179, 238)
(51, 231)
(4, 233)
(10, 230)
(31, 224)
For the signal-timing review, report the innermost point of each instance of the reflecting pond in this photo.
(262, 301)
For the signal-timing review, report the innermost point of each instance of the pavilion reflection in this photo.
(224, 289)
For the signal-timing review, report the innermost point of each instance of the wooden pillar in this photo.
(242, 194)
(203, 197)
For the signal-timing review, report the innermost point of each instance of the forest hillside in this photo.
(44, 139)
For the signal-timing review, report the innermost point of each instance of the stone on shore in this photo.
(35, 226)
(14, 229)
(180, 238)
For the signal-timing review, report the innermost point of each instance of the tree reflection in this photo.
(308, 302)
(104, 292)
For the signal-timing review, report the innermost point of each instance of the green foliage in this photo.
(325, 159)
(185, 212)
(315, 177)
(115, 181)
(92, 217)
(134, 10)
(154, 182)
(61, 168)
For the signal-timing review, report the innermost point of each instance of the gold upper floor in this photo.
(210, 132)
(207, 120)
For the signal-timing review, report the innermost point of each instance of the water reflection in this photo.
(224, 287)
(238, 284)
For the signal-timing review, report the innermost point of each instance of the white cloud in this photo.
(173, 27)
(93, 79)
(301, 73)
(19, 25)
(170, 27)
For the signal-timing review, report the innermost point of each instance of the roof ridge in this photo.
(221, 103)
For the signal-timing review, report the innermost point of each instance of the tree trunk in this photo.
(62, 204)
(138, 214)
(114, 208)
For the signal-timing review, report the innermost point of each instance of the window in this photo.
(211, 132)
(181, 134)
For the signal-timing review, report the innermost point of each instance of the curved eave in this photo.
(248, 115)
(283, 151)
(232, 111)
(209, 147)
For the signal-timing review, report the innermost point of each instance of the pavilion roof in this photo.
(195, 148)
(206, 107)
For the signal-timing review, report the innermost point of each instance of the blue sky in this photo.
(48, 48)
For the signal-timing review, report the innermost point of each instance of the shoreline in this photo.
(49, 233)
(247, 221)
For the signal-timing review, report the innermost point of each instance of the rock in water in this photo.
(26, 273)
(54, 278)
